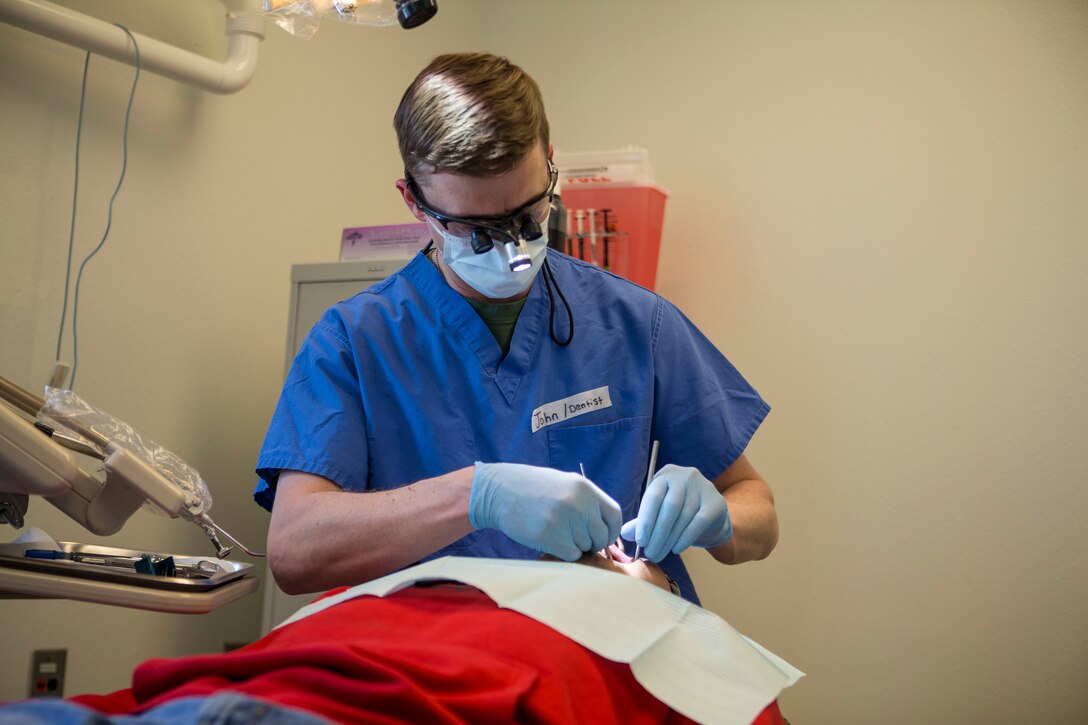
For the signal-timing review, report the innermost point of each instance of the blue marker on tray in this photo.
(46, 554)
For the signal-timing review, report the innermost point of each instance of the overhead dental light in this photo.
(300, 17)
(408, 13)
(411, 13)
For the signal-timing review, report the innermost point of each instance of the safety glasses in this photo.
(484, 231)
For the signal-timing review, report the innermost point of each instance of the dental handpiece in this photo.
(649, 479)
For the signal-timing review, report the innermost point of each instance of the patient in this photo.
(438, 652)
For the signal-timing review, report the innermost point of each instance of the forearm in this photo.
(754, 520)
(321, 537)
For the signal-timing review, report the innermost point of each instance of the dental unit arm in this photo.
(37, 441)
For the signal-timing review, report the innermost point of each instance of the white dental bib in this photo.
(685, 656)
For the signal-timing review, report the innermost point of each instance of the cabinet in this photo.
(314, 289)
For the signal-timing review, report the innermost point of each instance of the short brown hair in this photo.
(470, 113)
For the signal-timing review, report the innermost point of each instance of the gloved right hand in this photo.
(680, 508)
(562, 514)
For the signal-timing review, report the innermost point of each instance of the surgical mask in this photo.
(488, 273)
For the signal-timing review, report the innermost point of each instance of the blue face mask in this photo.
(489, 273)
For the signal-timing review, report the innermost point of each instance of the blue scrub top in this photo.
(404, 381)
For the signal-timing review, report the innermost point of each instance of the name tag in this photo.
(575, 405)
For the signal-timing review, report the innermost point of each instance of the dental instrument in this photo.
(649, 478)
(605, 550)
(138, 472)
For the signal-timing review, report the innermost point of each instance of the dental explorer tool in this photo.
(211, 529)
(649, 479)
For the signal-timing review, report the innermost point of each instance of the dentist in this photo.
(450, 409)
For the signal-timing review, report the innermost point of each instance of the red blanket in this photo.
(437, 655)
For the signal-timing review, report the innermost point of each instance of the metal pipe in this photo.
(22, 399)
(649, 479)
(245, 32)
(19, 397)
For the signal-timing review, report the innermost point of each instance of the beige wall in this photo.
(183, 316)
(880, 213)
(877, 212)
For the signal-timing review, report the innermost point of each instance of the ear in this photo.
(551, 152)
(409, 200)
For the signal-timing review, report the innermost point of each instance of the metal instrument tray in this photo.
(110, 564)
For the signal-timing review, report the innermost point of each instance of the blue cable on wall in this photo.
(109, 214)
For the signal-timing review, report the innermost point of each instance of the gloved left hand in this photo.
(680, 508)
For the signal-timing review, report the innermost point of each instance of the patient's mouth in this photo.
(619, 555)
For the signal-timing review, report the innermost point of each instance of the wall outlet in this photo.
(47, 673)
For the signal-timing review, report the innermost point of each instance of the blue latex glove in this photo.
(562, 514)
(679, 509)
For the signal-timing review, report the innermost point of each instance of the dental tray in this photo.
(109, 564)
